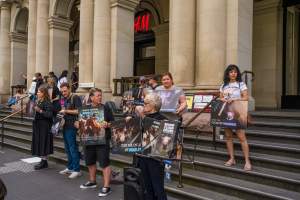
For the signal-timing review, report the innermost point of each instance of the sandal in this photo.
(247, 167)
(230, 163)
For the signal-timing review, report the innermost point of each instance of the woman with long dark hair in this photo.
(42, 139)
(234, 89)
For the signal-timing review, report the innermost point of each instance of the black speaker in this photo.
(133, 184)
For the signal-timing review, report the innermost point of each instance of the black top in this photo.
(157, 116)
(39, 82)
(55, 91)
(108, 117)
(71, 103)
(47, 110)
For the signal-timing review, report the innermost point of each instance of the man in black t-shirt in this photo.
(70, 103)
(99, 152)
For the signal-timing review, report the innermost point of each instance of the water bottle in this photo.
(168, 165)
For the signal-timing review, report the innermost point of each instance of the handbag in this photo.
(58, 125)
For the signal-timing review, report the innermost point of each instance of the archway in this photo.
(18, 38)
(151, 39)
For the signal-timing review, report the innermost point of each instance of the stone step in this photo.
(258, 159)
(187, 192)
(256, 146)
(190, 147)
(295, 114)
(214, 183)
(290, 181)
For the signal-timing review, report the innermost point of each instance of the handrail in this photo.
(2, 127)
(27, 95)
(200, 112)
(5, 118)
(246, 72)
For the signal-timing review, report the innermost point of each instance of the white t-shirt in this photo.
(61, 81)
(233, 90)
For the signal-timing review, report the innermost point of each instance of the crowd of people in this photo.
(56, 96)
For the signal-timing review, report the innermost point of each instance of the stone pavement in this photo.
(24, 183)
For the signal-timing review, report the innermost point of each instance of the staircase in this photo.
(274, 141)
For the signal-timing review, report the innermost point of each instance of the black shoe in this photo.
(43, 164)
(104, 192)
(88, 185)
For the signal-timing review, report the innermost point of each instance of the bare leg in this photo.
(230, 149)
(243, 140)
(106, 176)
(92, 173)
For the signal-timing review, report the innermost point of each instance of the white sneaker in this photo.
(75, 175)
(66, 171)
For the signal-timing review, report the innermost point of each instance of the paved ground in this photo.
(23, 183)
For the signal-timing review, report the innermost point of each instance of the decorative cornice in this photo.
(18, 37)
(264, 6)
(126, 4)
(5, 4)
(60, 23)
(161, 29)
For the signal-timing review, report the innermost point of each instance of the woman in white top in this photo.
(231, 90)
(63, 78)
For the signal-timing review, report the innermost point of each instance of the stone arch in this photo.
(21, 21)
(63, 8)
(152, 6)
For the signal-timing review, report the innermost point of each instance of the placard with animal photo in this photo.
(170, 99)
(91, 130)
(229, 115)
(126, 136)
(150, 133)
(166, 142)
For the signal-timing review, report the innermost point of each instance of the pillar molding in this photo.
(5, 53)
(18, 37)
(182, 42)
(59, 23)
(125, 4)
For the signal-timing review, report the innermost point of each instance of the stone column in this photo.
(42, 37)
(31, 52)
(86, 42)
(161, 48)
(4, 49)
(122, 38)
(59, 44)
(239, 38)
(182, 41)
(101, 44)
(18, 57)
(210, 43)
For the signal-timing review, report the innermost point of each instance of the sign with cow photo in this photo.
(229, 115)
(126, 136)
(91, 126)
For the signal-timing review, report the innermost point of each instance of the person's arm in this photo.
(182, 104)
(244, 95)
(76, 104)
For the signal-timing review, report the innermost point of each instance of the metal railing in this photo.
(2, 122)
(246, 74)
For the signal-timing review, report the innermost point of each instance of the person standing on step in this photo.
(234, 89)
(71, 104)
(99, 152)
(42, 139)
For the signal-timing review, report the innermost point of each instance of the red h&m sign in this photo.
(141, 23)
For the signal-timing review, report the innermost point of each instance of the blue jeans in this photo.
(71, 149)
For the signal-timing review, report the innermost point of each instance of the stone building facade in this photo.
(193, 39)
